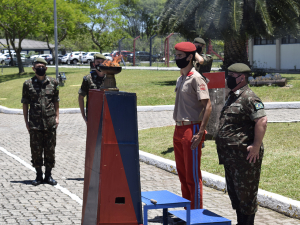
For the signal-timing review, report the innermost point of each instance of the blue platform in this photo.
(202, 216)
(165, 200)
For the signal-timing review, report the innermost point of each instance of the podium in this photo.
(112, 191)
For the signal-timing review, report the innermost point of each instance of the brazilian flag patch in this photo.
(57, 87)
(259, 106)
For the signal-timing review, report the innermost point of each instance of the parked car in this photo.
(51, 61)
(7, 61)
(74, 57)
(144, 56)
(65, 58)
(3, 57)
(88, 57)
(107, 56)
(33, 57)
(127, 55)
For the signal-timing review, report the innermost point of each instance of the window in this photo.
(264, 41)
(290, 40)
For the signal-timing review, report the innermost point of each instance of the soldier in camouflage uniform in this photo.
(91, 81)
(203, 62)
(242, 126)
(41, 92)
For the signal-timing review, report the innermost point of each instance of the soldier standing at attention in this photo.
(41, 92)
(203, 61)
(191, 114)
(242, 126)
(90, 81)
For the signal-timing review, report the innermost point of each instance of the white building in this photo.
(27, 45)
(279, 54)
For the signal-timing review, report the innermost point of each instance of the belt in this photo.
(183, 123)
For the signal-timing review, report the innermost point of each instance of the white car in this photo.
(65, 58)
(33, 57)
(3, 57)
(7, 61)
(88, 57)
(107, 56)
(74, 57)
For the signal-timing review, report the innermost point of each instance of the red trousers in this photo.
(188, 164)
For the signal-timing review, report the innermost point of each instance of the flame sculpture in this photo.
(114, 63)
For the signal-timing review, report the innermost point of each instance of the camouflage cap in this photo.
(199, 40)
(99, 56)
(239, 68)
(40, 60)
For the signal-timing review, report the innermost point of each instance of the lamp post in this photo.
(55, 36)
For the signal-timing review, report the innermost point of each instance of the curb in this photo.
(157, 108)
(266, 199)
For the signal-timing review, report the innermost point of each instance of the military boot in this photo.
(48, 178)
(248, 219)
(239, 218)
(39, 176)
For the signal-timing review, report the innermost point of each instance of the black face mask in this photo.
(182, 63)
(231, 82)
(98, 67)
(199, 49)
(40, 71)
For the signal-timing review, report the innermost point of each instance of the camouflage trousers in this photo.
(242, 181)
(43, 142)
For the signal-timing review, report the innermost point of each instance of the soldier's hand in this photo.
(253, 154)
(196, 141)
(57, 121)
(27, 126)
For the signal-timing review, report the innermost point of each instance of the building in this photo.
(39, 47)
(275, 54)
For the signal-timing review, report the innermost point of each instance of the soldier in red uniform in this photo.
(191, 114)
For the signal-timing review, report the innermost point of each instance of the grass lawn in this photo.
(152, 87)
(281, 163)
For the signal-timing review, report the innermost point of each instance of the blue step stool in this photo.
(202, 217)
(165, 200)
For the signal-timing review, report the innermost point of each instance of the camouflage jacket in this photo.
(236, 126)
(206, 66)
(41, 96)
(90, 81)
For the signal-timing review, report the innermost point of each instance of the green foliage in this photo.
(223, 19)
(19, 18)
(142, 16)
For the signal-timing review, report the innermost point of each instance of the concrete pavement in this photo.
(22, 203)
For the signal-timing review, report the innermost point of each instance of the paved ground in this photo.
(22, 203)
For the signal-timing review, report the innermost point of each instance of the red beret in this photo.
(185, 47)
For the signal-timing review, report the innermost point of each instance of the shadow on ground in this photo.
(165, 83)
(170, 150)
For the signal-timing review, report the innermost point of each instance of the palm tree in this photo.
(234, 21)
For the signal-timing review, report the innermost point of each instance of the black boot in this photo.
(248, 219)
(239, 217)
(39, 176)
(48, 179)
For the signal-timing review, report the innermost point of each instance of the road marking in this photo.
(62, 189)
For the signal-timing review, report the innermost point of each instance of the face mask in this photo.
(199, 49)
(98, 67)
(182, 63)
(231, 82)
(40, 71)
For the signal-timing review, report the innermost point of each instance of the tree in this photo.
(142, 16)
(69, 18)
(106, 22)
(18, 19)
(234, 21)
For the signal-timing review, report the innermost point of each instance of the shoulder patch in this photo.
(57, 87)
(259, 105)
(202, 87)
